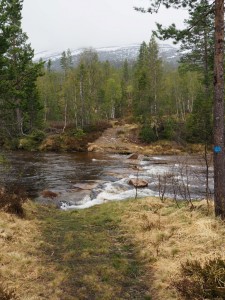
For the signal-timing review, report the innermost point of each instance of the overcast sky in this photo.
(63, 24)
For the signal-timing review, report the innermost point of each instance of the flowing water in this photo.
(82, 180)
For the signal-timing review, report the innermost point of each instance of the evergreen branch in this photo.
(211, 10)
(172, 32)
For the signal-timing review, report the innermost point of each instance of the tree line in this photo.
(162, 98)
(168, 102)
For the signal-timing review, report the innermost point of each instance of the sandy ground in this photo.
(123, 139)
(119, 139)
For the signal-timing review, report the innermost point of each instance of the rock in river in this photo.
(138, 183)
(133, 156)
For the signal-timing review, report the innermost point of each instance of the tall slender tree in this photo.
(148, 75)
(219, 163)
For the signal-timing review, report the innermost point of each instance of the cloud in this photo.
(63, 24)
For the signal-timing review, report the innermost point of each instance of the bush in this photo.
(32, 141)
(169, 129)
(79, 134)
(11, 201)
(147, 134)
(11, 144)
(199, 125)
(37, 135)
(202, 280)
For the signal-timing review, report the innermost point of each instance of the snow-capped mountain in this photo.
(115, 55)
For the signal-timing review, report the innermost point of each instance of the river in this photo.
(82, 180)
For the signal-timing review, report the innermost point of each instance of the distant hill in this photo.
(115, 55)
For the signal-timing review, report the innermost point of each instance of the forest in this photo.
(168, 102)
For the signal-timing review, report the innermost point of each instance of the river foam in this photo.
(110, 191)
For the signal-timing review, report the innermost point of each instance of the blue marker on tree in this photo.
(217, 149)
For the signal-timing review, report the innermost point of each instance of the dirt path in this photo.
(123, 139)
(89, 254)
(118, 139)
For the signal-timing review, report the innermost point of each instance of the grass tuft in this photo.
(168, 237)
(202, 280)
(11, 201)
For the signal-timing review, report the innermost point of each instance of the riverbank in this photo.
(113, 137)
(118, 138)
(120, 250)
(124, 139)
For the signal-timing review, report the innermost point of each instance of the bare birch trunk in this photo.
(65, 117)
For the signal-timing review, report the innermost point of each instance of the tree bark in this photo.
(219, 161)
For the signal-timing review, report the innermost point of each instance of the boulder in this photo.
(133, 156)
(138, 183)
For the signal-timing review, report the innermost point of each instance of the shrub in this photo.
(79, 133)
(27, 144)
(147, 134)
(11, 143)
(202, 280)
(199, 124)
(11, 201)
(169, 129)
(32, 141)
(37, 135)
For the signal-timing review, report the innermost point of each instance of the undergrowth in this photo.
(202, 280)
(182, 246)
(11, 201)
(7, 295)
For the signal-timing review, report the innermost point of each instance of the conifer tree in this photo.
(20, 98)
(148, 74)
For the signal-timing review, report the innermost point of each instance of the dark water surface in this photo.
(84, 179)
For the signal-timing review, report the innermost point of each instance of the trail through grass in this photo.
(88, 256)
(118, 250)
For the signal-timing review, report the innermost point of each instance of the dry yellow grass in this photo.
(163, 235)
(22, 270)
(167, 236)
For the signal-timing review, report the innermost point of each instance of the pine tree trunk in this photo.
(219, 161)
